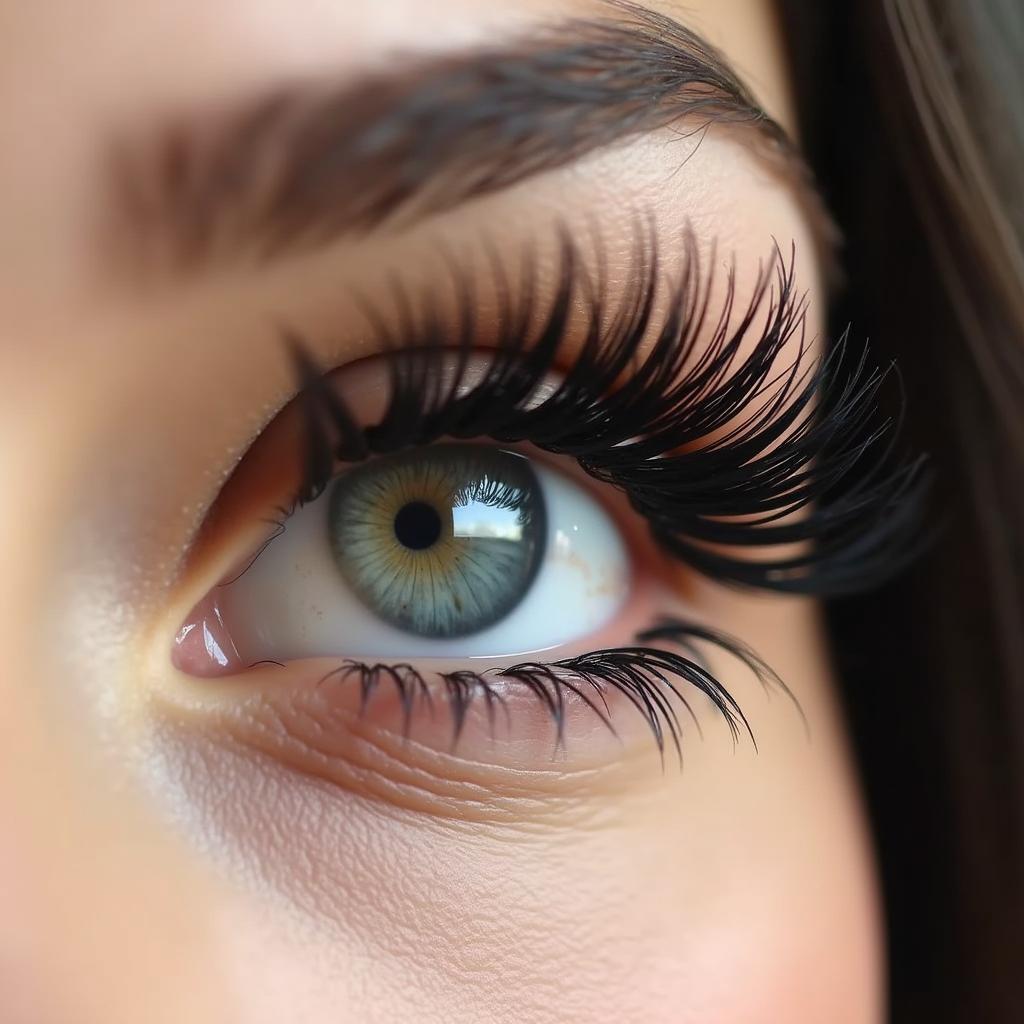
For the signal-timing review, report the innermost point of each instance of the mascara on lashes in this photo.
(642, 673)
(718, 451)
(714, 449)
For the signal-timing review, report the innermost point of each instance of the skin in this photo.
(179, 849)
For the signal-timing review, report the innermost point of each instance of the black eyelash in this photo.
(642, 673)
(716, 448)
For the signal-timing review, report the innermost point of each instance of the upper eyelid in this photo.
(684, 318)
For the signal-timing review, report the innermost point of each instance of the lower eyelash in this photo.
(646, 676)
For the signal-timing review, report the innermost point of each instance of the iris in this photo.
(440, 541)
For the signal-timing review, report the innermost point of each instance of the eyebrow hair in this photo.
(309, 162)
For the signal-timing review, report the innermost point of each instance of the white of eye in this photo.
(293, 602)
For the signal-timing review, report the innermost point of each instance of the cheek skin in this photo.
(707, 895)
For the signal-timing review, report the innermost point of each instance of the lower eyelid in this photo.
(319, 732)
(310, 719)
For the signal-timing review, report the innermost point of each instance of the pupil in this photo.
(417, 525)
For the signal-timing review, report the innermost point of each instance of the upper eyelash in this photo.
(644, 425)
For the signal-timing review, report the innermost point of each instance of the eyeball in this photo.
(440, 543)
(442, 551)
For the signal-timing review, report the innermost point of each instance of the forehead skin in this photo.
(741, 891)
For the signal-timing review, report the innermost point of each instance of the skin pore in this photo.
(174, 849)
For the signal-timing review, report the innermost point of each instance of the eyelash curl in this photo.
(714, 448)
(719, 437)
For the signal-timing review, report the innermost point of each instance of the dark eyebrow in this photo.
(309, 162)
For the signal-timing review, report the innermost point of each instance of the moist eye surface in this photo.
(441, 541)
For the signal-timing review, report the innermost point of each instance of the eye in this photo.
(446, 550)
(455, 506)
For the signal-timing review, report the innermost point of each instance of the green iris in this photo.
(440, 541)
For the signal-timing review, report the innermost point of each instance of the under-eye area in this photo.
(479, 539)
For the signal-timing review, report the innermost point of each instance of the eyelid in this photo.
(307, 734)
(330, 731)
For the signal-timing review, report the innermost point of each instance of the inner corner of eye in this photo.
(445, 551)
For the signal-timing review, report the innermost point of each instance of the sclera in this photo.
(293, 602)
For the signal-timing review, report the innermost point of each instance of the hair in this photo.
(913, 112)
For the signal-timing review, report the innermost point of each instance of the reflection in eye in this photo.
(448, 550)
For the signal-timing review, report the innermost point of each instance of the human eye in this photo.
(447, 550)
(484, 528)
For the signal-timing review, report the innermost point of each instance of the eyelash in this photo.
(642, 674)
(800, 441)
(785, 456)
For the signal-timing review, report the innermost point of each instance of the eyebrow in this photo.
(308, 163)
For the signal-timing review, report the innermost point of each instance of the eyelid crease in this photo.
(715, 448)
